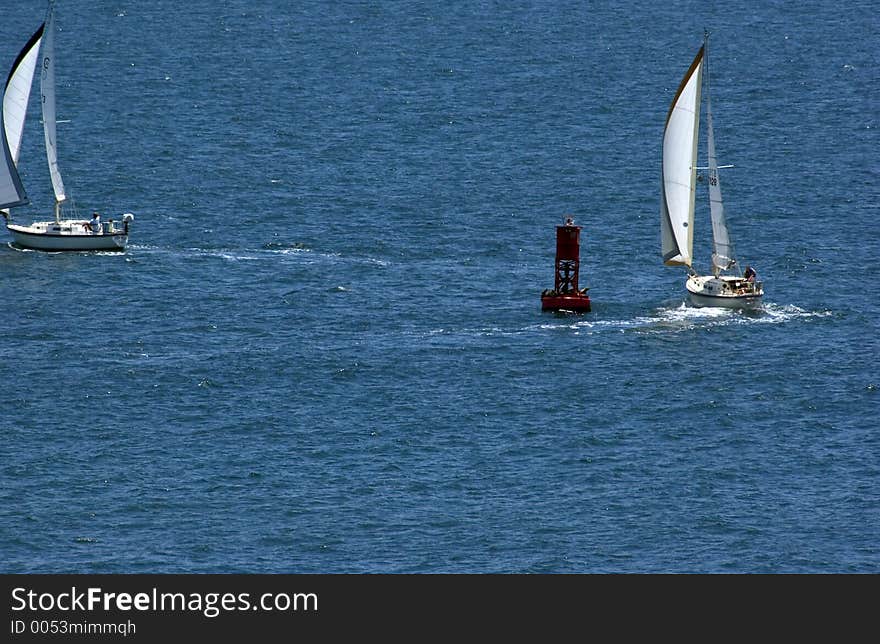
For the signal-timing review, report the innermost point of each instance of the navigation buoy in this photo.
(565, 294)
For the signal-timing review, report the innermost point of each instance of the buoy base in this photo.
(578, 302)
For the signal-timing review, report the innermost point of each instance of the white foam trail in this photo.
(680, 318)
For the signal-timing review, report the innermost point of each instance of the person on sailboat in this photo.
(749, 274)
(95, 223)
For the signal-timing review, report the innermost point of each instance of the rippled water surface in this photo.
(323, 350)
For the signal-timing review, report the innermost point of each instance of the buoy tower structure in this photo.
(566, 295)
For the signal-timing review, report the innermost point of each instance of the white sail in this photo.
(18, 92)
(14, 110)
(11, 189)
(679, 172)
(722, 255)
(47, 92)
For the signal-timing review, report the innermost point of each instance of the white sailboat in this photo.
(678, 194)
(57, 234)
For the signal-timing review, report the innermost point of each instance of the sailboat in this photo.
(724, 287)
(58, 234)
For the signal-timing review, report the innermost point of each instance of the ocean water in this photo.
(324, 352)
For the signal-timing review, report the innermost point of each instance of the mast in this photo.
(722, 246)
(47, 93)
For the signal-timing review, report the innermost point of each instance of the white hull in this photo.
(725, 291)
(68, 234)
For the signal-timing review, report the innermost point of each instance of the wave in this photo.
(269, 252)
(672, 319)
(681, 318)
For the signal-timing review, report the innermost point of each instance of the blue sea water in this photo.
(324, 352)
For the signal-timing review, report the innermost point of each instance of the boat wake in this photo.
(286, 248)
(20, 249)
(683, 318)
(664, 320)
(269, 252)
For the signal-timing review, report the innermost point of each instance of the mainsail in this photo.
(679, 173)
(47, 93)
(722, 255)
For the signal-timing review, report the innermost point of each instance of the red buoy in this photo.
(565, 294)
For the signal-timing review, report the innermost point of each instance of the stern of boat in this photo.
(726, 291)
